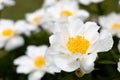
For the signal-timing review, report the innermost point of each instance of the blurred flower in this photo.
(48, 3)
(37, 17)
(33, 62)
(87, 2)
(6, 3)
(111, 22)
(8, 37)
(65, 9)
(60, 13)
(76, 44)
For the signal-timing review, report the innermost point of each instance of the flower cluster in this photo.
(74, 40)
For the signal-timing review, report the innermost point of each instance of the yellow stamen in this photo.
(7, 32)
(78, 45)
(66, 13)
(116, 26)
(36, 19)
(39, 61)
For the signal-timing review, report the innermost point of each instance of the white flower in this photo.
(65, 9)
(37, 17)
(60, 13)
(8, 37)
(6, 3)
(33, 62)
(87, 2)
(111, 22)
(76, 45)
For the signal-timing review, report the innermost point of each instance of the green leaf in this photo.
(106, 62)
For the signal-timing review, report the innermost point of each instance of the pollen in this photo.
(116, 26)
(36, 19)
(7, 32)
(39, 61)
(78, 44)
(66, 13)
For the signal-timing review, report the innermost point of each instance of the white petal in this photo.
(119, 46)
(23, 60)
(58, 38)
(87, 63)
(21, 28)
(36, 51)
(105, 42)
(82, 14)
(24, 69)
(5, 23)
(9, 2)
(85, 2)
(74, 25)
(118, 68)
(13, 43)
(1, 7)
(49, 59)
(91, 31)
(53, 69)
(2, 44)
(65, 64)
(37, 75)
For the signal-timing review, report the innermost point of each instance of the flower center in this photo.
(39, 61)
(36, 19)
(7, 32)
(116, 26)
(78, 44)
(66, 13)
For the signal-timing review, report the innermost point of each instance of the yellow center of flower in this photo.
(36, 19)
(78, 44)
(116, 26)
(39, 61)
(66, 13)
(7, 32)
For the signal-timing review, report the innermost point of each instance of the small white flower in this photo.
(87, 2)
(6, 3)
(37, 17)
(76, 45)
(33, 63)
(111, 22)
(61, 12)
(8, 37)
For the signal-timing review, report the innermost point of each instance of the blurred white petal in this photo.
(14, 42)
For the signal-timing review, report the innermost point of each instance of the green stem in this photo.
(100, 11)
